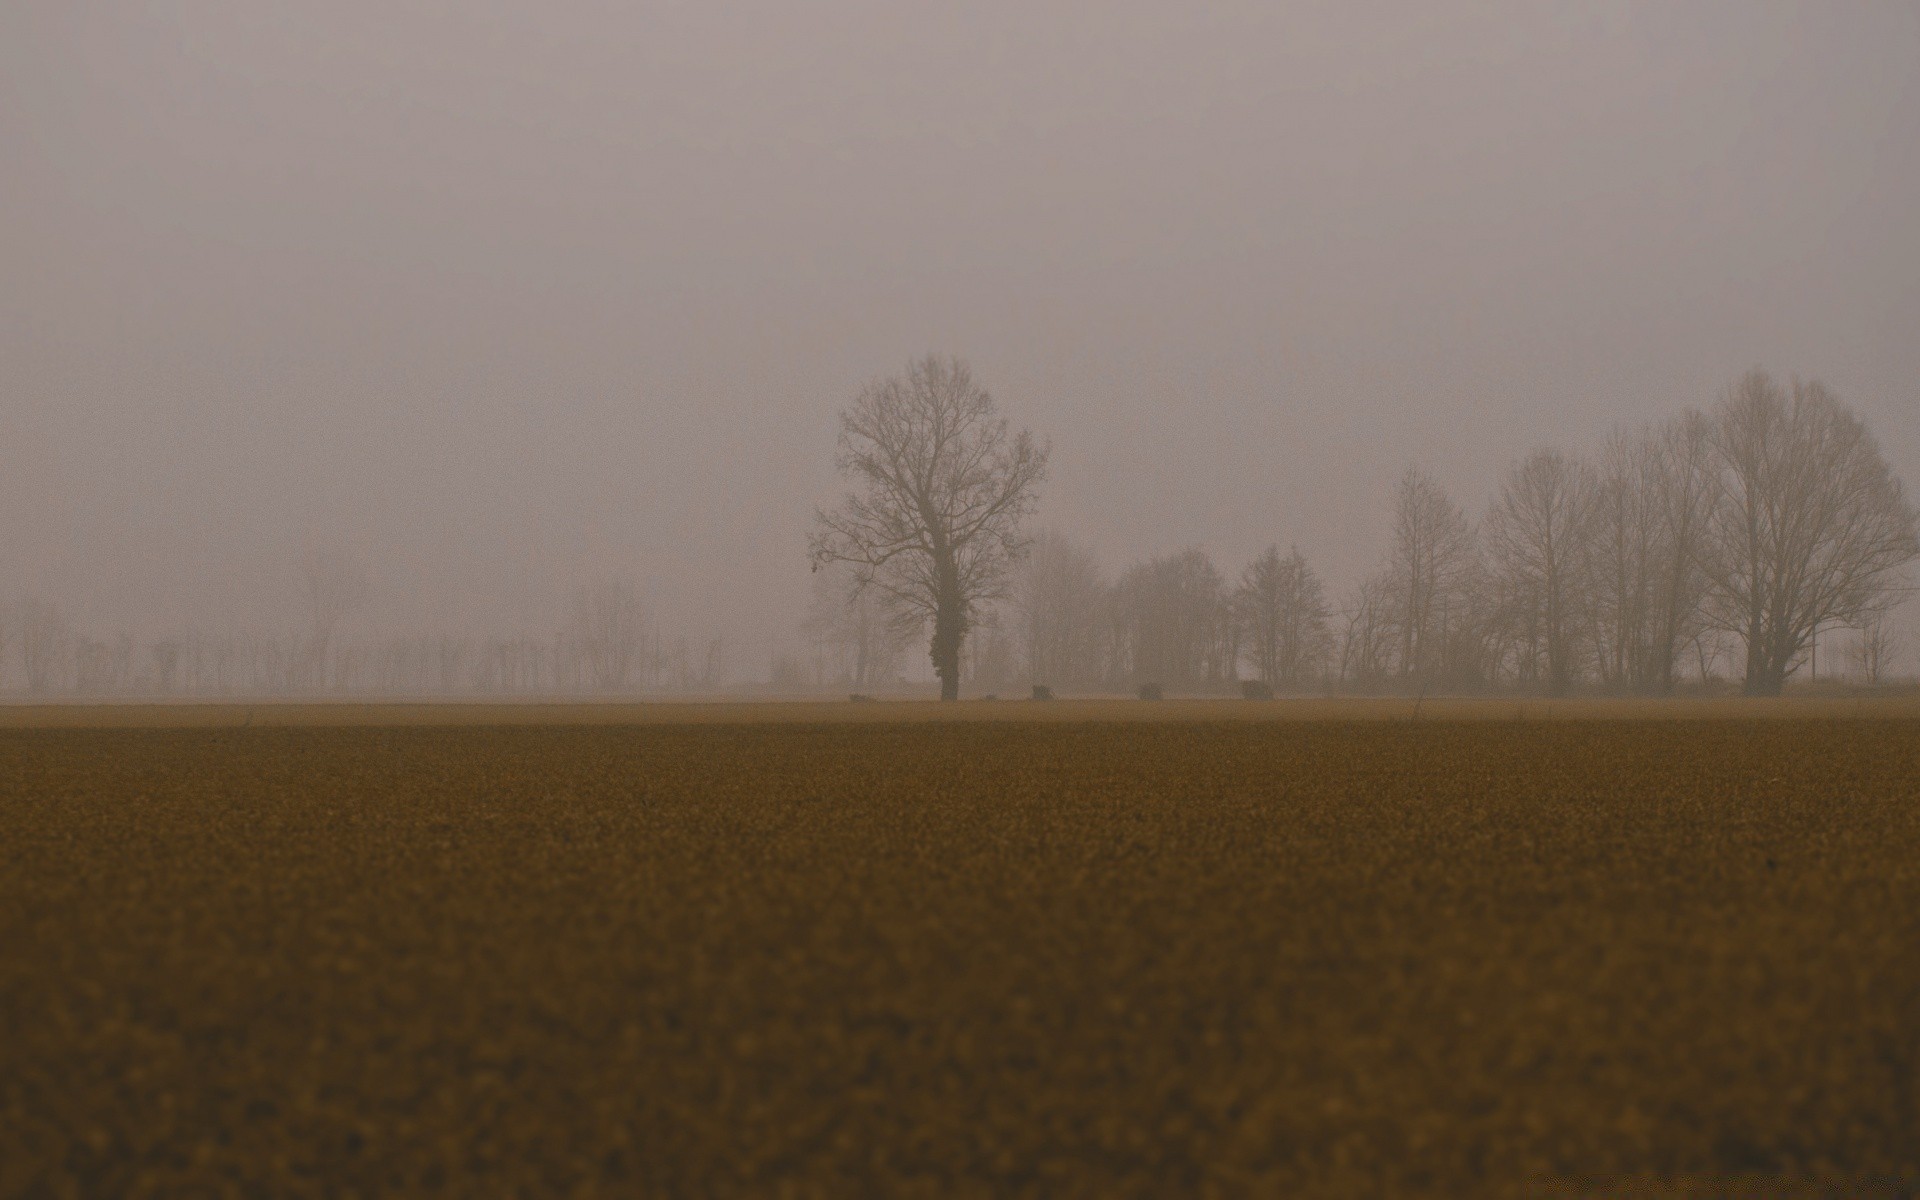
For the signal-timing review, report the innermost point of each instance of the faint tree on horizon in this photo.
(1685, 495)
(606, 633)
(44, 635)
(1431, 568)
(1812, 527)
(1875, 651)
(1538, 538)
(941, 485)
(862, 634)
(332, 583)
(1060, 603)
(1282, 610)
(1366, 633)
(1173, 621)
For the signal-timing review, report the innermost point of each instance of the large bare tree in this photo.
(941, 485)
(1538, 535)
(1812, 526)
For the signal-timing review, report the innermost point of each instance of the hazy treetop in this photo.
(505, 295)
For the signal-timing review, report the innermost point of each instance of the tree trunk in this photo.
(1757, 674)
(1764, 681)
(948, 628)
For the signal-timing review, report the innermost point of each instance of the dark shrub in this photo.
(1149, 691)
(1256, 689)
(1042, 692)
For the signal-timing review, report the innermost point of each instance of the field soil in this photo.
(1080, 952)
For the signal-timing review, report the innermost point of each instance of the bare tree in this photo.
(606, 632)
(166, 664)
(1812, 527)
(1538, 534)
(1623, 556)
(333, 583)
(992, 656)
(1875, 650)
(43, 641)
(1646, 581)
(856, 628)
(1685, 492)
(1431, 564)
(1367, 633)
(1282, 610)
(941, 487)
(1058, 601)
(1172, 610)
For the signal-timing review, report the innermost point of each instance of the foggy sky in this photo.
(508, 296)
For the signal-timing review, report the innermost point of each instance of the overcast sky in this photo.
(507, 296)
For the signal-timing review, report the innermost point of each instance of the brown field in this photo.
(1071, 949)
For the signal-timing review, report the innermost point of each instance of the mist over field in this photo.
(467, 318)
(1412, 505)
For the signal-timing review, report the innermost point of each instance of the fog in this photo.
(503, 298)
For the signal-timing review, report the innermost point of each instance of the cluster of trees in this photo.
(1175, 620)
(607, 643)
(1732, 536)
(1750, 528)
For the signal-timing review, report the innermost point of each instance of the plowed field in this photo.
(981, 958)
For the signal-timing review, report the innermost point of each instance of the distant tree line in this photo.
(607, 644)
(1716, 544)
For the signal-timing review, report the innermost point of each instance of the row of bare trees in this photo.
(1731, 537)
(1751, 527)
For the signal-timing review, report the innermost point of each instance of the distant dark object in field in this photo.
(860, 698)
(1149, 691)
(1256, 689)
(1042, 692)
(990, 696)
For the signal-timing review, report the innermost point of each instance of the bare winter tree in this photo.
(1624, 558)
(1366, 632)
(856, 627)
(1173, 613)
(992, 656)
(1684, 492)
(166, 664)
(941, 485)
(1647, 582)
(43, 642)
(1431, 564)
(606, 633)
(1282, 610)
(333, 583)
(1812, 528)
(1875, 650)
(1059, 601)
(1538, 535)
